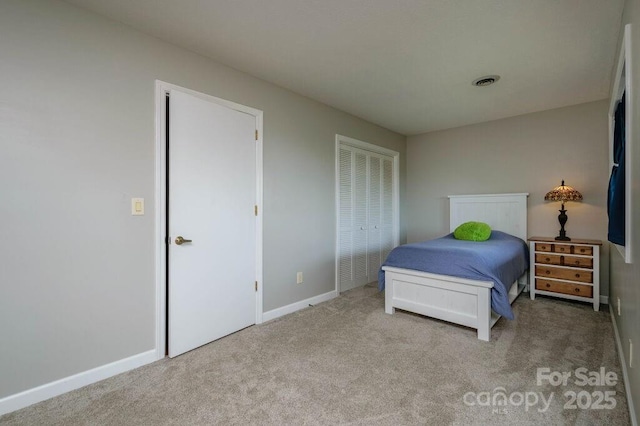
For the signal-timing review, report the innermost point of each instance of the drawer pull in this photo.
(548, 285)
(547, 259)
(577, 262)
(577, 275)
(548, 272)
(582, 250)
(577, 290)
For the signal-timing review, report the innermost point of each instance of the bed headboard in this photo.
(503, 212)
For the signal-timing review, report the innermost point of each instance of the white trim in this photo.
(67, 384)
(294, 307)
(259, 220)
(160, 222)
(509, 195)
(345, 140)
(161, 89)
(625, 373)
(623, 83)
(365, 145)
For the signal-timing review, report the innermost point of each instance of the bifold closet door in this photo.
(345, 219)
(365, 215)
(353, 219)
(386, 209)
(374, 224)
(380, 222)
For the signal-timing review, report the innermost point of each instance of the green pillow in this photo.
(473, 231)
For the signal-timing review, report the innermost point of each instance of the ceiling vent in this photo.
(487, 80)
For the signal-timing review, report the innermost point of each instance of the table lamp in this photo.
(563, 193)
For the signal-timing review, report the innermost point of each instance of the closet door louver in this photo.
(345, 252)
(375, 215)
(386, 238)
(361, 207)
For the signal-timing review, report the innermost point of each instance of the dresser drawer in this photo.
(564, 248)
(557, 259)
(564, 288)
(564, 273)
(544, 247)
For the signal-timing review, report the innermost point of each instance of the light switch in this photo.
(137, 206)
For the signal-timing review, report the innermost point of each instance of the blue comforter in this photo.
(502, 259)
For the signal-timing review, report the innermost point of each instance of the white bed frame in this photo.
(459, 300)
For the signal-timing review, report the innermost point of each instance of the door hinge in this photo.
(256, 286)
(255, 209)
(256, 134)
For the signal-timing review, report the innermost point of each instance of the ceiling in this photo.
(406, 65)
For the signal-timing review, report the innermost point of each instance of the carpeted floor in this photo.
(346, 362)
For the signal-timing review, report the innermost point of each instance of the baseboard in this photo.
(604, 300)
(289, 309)
(67, 384)
(625, 375)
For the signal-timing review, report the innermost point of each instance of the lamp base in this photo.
(562, 218)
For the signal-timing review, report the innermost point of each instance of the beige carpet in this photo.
(347, 362)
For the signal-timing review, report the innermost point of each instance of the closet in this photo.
(366, 223)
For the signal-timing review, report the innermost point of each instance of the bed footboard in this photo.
(457, 300)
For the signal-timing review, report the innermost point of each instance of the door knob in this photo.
(180, 240)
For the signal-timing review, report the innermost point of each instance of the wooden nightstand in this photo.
(567, 269)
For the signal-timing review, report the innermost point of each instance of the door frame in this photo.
(395, 196)
(161, 89)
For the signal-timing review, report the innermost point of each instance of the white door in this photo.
(360, 217)
(352, 256)
(211, 199)
(345, 219)
(374, 226)
(387, 219)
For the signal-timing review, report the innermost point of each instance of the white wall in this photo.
(77, 142)
(528, 153)
(625, 281)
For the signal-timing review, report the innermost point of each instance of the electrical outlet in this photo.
(618, 306)
(630, 353)
(299, 278)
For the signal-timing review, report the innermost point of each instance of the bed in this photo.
(458, 300)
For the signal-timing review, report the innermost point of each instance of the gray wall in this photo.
(625, 283)
(528, 153)
(77, 142)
